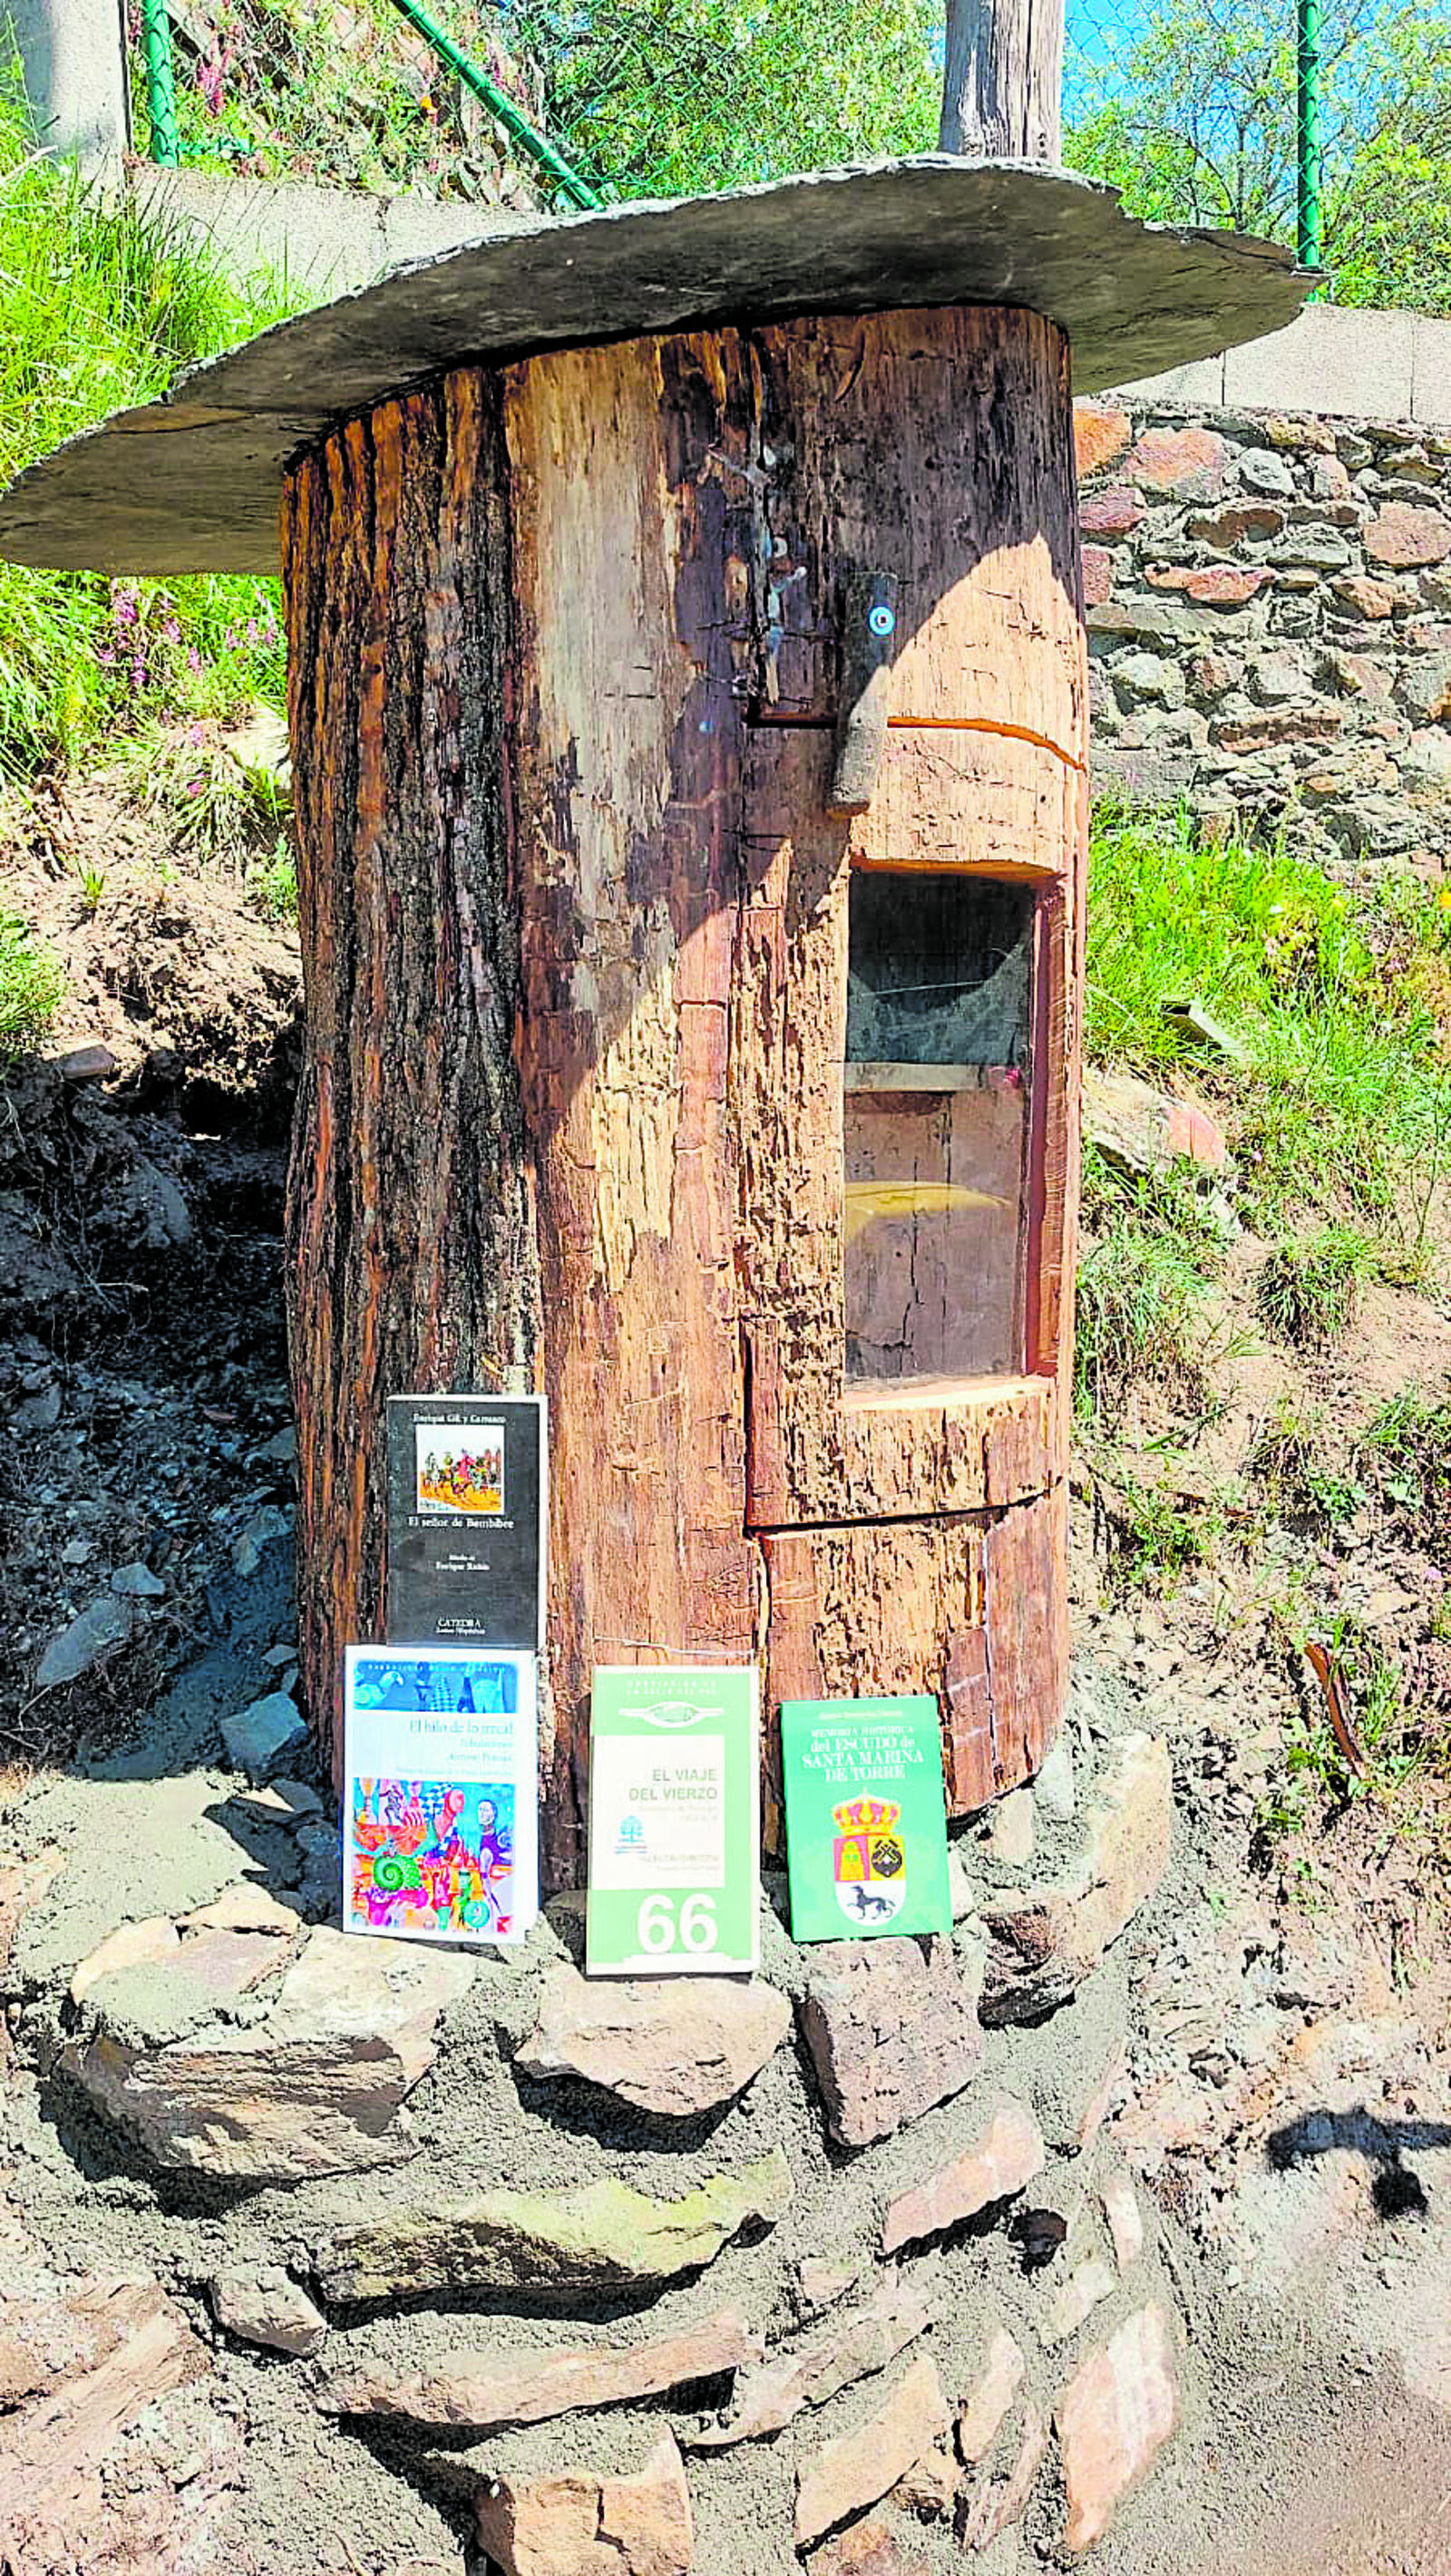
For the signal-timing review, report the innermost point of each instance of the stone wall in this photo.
(683, 2277)
(1269, 612)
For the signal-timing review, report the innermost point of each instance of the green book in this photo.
(674, 1822)
(866, 1818)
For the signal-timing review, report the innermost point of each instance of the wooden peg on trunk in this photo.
(868, 645)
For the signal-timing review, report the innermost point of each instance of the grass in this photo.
(1145, 1306)
(352, 97)
(1308, 1293)
(99, 308)
(1404, 1454)
(272, 886)
(1341, 1001)
(31, 987)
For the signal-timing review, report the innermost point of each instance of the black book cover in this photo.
(466, 1487)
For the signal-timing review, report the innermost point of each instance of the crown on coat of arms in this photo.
(865, 1816)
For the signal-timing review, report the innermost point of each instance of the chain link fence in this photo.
(1200, 110)
(1328, 126)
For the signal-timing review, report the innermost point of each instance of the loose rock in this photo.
(1001, 2161)
(810, 2372)
(1075, 2299)
(857, 1992)
(602, 2237)
(138, 1583)
(580, 2524)
(859, 2468)
(1045, 1942)
(674, 2046)
(267, 2307)
(92, 1635)
(1125, 2221)
(980, 2418)
(1004, 2501)
(316, 2087)
(259, 1735)
(1113, 2419)
(480, 2389)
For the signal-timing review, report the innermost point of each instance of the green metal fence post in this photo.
(1307, 102)
(515, 125)
(160, 87)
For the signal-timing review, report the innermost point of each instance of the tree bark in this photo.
(566, 657)
(1003, 80)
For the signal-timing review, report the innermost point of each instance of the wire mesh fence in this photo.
(1195, 108)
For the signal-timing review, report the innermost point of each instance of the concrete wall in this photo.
(1343, 365)
(321, 241)
(75, 74)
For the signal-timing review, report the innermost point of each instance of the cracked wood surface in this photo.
(574, 925)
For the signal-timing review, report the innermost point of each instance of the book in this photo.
(866, 1817)
(440, 1798)
(674, 1822)
(466, 1520)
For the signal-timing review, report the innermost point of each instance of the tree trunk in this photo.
(566, 646)
(1003, 80)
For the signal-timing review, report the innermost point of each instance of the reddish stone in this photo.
(1114, 2418)
(1125, 2220)
(1099, 435)
(860, 2467)
(868, 2549)
(1403, 534)
(1216, 586)
(1212, 673)
(577, 2522)
(1115, 513)
(1002, 2161)
(1246, 734)
(1097, 575)
(1358, 677)
(860, 1989)
(980, 2418)
(1146, 1130)
(1180, 460)
(1368, 598)
(1242, 519)
(1000, 2502)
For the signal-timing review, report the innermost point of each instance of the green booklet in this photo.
(674, 1822)
(866, 1818)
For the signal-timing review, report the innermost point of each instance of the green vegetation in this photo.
(1194, 118)
(1291, 1463)
(1145, 1309)
(1308, 1293)
(1340, 1001)
(351, 97)
(1317, 1774)
(1404, 1454)
(31, 986)
(272, 885)
(675, 95)
(99, 308)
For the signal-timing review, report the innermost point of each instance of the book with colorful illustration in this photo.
(866, 1818)
(440, 1803)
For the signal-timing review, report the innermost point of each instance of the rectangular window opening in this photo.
(937, 1128)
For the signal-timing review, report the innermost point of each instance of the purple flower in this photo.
(172, 631)
(193, 658)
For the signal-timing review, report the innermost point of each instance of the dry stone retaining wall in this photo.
(835, 2269)
(1269, 614)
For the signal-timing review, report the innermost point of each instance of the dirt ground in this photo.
(1288, 2095)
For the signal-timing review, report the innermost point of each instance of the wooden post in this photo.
(567, 668)
(1003, 80)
